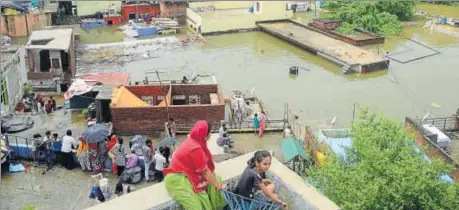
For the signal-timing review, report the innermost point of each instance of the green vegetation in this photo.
(383, 170)
(85, 112)
(378, 17)
(29, 207)
(27, 89)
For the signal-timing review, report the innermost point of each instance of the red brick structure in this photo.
(134, 11)
(174, 9)
(328, 24)
(113, 20)
(188, 103)
(51, 54)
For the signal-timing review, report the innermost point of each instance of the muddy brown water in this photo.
(260, 61)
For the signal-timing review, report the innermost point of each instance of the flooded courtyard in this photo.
(258, 61)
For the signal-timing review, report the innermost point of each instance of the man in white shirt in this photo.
(159, 160)
(66, 150)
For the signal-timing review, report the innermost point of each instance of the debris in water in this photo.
(435, 105)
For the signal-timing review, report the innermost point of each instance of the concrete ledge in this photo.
(156, 197)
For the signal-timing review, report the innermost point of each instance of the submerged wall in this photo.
(292, 188)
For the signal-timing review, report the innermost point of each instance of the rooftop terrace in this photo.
(292, 188)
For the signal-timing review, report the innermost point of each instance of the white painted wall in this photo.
(15, 74)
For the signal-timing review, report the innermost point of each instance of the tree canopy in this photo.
(380, 17)
(385, 171)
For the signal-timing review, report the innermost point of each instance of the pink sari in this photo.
(262, 119)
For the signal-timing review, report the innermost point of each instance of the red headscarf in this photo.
(112, 142)
(193, 156)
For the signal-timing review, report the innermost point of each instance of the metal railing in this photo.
(14, 142)
(446, 124)
(234, 126)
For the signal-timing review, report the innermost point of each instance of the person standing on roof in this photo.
(190, 180)
(262, 120)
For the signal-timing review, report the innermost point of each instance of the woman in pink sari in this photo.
(262, 121)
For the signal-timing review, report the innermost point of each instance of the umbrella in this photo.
(138, 139)
(96, 133)
(167, 142)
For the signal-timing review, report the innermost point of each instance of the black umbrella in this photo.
(167, 142)
(96, 133)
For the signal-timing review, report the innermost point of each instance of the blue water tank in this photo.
(443, 20)
(251, 9)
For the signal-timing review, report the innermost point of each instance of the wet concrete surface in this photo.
(63, 189)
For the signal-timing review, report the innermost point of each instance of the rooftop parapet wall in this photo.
(293, 189)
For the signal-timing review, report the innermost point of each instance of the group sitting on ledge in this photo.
(190, 179)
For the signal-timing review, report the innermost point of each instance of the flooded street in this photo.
(255, 60)
(63, 189)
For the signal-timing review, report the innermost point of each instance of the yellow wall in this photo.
(223, 4)
(270, 10)
(91, 7)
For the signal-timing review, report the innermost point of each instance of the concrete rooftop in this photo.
(59, 39)
(156, 197)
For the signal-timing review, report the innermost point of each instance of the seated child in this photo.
(253, 183)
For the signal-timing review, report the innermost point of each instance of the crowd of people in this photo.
(111, 154)
(39, 104)
(189, 174)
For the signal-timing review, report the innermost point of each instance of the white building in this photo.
(13, 78)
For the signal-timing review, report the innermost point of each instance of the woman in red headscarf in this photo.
(190, 179)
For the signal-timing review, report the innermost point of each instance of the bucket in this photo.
(443, 21)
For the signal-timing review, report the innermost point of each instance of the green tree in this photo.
(384, 170)
(378, 17)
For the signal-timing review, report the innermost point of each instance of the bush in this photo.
(386, 171)
(377, 17)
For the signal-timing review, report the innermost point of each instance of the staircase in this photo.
(346, 69)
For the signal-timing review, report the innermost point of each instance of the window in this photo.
(194, 99)
(111, 12)
(4, 96)
(160, 98)
(148, 99)
(56, 63)
(178, 97)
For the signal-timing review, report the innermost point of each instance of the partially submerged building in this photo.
(143, 109)
(51, 58)
(228, 16)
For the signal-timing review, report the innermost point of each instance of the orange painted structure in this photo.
(134, 11)
(113, 20)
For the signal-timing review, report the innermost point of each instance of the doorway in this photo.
(45, 63)
(109, 22)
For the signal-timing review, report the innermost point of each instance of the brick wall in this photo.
(39, 75)
(193, 89)
(15, 25)
(175, 10)
(431, 150)
(150, 120)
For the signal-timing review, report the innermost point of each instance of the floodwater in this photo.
(259, 61)
(63, 189)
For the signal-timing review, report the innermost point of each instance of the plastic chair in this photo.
(237, 202)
